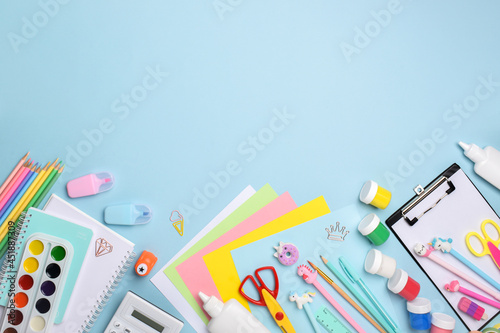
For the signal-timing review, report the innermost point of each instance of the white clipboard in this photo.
(449, 207)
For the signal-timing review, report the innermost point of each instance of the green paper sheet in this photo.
(260, 199)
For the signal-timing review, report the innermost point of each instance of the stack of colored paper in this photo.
(242, 237)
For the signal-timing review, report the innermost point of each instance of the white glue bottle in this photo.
(230, 317)
(487, 162)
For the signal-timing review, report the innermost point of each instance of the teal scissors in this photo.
(490, 246)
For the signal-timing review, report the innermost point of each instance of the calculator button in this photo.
(117, 324)
(127, 330)
(113, 331)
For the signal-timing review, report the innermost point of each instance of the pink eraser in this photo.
(90, 184)
(472, 309)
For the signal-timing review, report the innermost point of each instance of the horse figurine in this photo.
(304, 299)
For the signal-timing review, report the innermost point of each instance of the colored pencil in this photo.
(16, 212)
(43, 183)
(41, 193)
(17, 194)
(48, 187)
(347, 297)
(13, 183)
(358, 296)
(12, 174)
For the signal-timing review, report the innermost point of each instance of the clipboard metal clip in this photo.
(422, 194)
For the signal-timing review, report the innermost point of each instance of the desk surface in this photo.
(314, 98)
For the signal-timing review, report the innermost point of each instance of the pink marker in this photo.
(90, 184)
(472, 309)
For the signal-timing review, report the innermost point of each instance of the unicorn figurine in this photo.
(442, 244)
(302, 300)
(303, 303)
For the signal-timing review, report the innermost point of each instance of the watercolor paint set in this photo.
(35, 294)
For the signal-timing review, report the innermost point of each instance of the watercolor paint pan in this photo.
(35, 293)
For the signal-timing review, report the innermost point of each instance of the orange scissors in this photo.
(268, 298)
(490, 246)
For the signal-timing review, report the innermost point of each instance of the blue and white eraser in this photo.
(127, 214)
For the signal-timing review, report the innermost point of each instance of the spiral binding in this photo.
(107, 293)
(19, 231)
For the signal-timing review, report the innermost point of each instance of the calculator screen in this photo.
(136, 314)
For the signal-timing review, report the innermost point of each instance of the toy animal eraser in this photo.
(127, 214)
(90, 184)
(145, 263)
(287, 253)
(422, 251)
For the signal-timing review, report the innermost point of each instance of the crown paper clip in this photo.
(336, 233)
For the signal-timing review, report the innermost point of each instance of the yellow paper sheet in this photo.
(220, 263)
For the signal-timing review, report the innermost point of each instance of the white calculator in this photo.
(136, 315)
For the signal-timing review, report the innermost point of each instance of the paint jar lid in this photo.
(419, 305)
(373, 261)
(398, 281)
(368, 224)
(368, 192)
(443, 321)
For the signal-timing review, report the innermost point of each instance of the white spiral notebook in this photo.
(107, 259)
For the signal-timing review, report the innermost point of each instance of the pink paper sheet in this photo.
(194, 272)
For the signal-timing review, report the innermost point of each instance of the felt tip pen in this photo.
(355, 278)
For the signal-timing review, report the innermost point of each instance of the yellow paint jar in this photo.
(375, 195)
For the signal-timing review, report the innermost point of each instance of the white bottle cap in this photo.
(398, 281)
(373, 261)
(211, 304)
(419, 305)
(368, 224)
(378, 263)
(368, 192)
(475, 153)
(443, 321)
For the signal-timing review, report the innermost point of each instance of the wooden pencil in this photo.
(347, 298)
(13, 180)
(16, 212)
(43, 183)
(14, 185)
(16, 195)
(48, 187)
(14, 171)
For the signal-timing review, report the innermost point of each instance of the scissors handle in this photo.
(274, 292)
(485, 233)
(260, 286)
(481, 240)
(260, 301)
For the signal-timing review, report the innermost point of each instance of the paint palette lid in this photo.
(127, 214)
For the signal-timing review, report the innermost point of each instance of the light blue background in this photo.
(354, 120)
